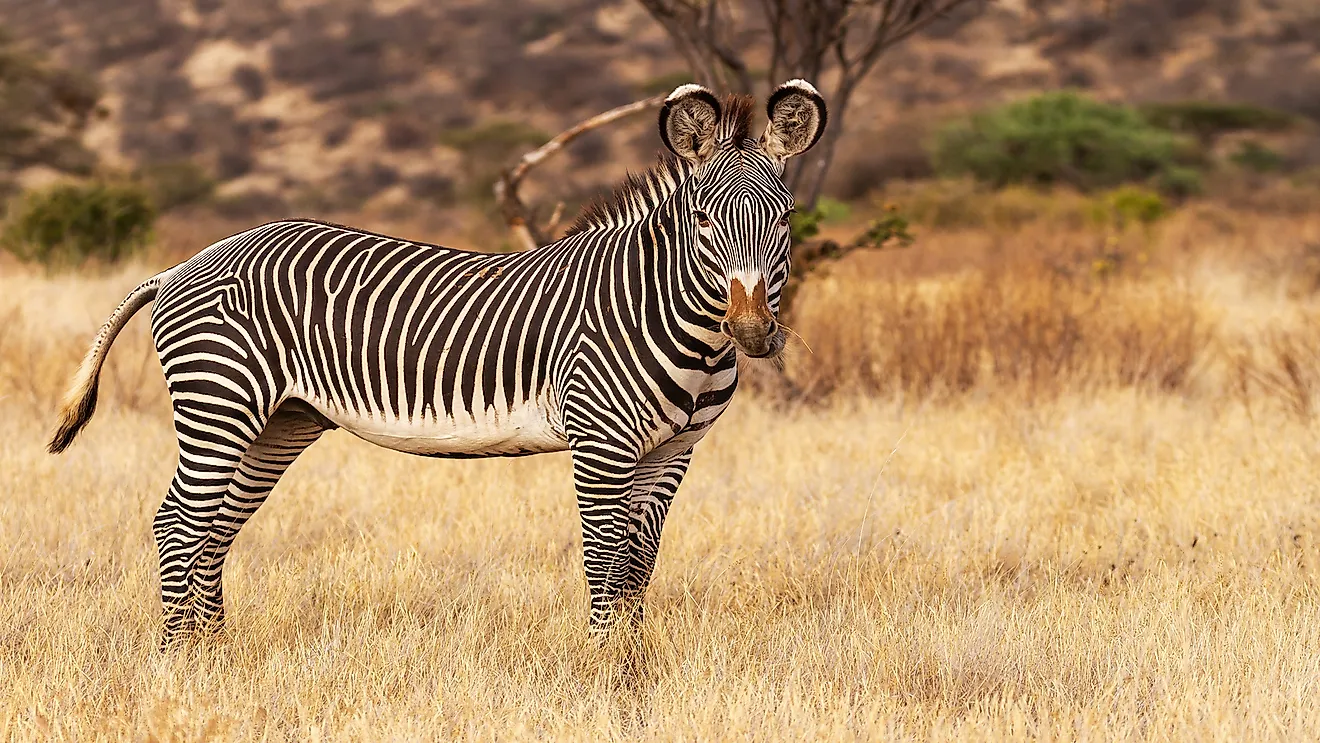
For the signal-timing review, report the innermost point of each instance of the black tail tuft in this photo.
(73, 417)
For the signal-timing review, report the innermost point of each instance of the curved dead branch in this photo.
(516, 214)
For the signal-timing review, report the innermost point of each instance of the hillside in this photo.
(323, 106)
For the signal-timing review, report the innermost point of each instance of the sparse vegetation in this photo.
(1134, 205)
(493, 139)
(1209, 120)
(1061, 138)
(69, 223)
(805, 223)
(1258, 158)
(890, 228)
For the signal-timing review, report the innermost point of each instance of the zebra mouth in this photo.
(771, 347)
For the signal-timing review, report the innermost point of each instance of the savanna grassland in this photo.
(1037, 476)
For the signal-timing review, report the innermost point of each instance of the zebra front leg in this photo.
(654, 485)
(603, 478)
(287, 434)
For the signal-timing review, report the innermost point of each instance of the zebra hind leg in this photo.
(212, 442)
(289, 432)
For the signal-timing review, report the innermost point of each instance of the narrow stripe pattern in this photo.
(607, 343)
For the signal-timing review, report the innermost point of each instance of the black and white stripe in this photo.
(613, 343)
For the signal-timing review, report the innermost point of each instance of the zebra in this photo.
(618, 342)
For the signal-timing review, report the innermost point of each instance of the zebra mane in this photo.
(640, 193)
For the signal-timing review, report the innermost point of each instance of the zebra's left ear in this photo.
(797, 119)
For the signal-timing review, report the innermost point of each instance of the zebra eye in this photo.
(783, 221)
(703, 221)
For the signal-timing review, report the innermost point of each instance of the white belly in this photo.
(493, 432)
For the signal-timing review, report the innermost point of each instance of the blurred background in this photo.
(391, 108)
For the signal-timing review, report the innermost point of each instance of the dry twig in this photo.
(516, 214)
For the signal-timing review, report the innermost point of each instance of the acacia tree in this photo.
(838, 40)
(818, 40)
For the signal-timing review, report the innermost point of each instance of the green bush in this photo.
(1180, 182)
(889, 228)
(1257, 157)
(1207, 120)
(832, 210)
(1135, 205)
(1060, 137)
(805, 224)
(71, 222)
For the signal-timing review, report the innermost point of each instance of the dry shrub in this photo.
(1036, 334)
(1283, 369)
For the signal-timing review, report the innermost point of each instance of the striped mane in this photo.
(640, 193)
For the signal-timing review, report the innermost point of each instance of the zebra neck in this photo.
(671, 266)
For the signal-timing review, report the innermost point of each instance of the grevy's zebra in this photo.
(616, 342)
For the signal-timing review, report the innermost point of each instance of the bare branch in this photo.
(701, 33)
(515, 212)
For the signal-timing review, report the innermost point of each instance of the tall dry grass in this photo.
(1035, 334)
(1024, 499)
(1211, 300)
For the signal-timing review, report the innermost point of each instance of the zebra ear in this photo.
(688, 121)
(797, 119)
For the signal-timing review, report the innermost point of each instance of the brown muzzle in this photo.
(749, 322)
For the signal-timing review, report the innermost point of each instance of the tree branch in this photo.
(700, 32)
(515, 212)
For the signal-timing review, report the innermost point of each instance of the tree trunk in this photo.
(817, 169)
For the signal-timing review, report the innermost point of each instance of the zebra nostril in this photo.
(726, 329)
(774, 328)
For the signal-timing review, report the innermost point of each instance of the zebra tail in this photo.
(80, 401)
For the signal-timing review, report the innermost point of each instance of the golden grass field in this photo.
(1018, 498)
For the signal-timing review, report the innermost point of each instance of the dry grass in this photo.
(1049, 516)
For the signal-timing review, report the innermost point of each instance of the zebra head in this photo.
(737, 206)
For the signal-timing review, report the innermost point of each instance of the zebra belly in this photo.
(490, 433)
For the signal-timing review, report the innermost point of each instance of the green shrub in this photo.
(71, 222)
(832, 210)
(1180, 182)
(1257, 157)
(1060, 137)
(891, 227)
(804, 225)
(1207, 120)
(1128, 205)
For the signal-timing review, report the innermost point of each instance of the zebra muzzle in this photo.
(749, 323)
